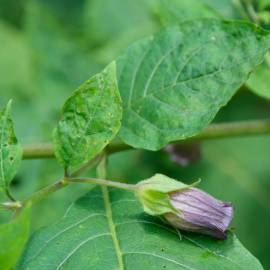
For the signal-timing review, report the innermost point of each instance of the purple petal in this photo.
(200, 212)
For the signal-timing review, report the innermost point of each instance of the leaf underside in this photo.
(173, 83)
(10, 149)
(90, 119)
(107, 230)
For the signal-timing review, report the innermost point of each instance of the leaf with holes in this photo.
(90, 119)
(13, 236)
(173, 83)
(107, 230)
(10, 149)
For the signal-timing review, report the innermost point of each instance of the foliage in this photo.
(11, 152)
(188, 73)
(90, 119)
(100, 224)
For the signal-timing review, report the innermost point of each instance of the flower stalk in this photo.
(103, 182)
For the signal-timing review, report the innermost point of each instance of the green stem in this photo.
(43, 193)
(88, 165)
(233, 129)
(214, 131)
(36, 151)
(103, 182)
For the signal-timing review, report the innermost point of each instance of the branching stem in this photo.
(214, 131)
(43, 193)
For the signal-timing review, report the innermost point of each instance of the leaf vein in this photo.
(60, 233)
(161, 257)
(108, 211)
(79, 246)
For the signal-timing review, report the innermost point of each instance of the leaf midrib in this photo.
(108, 211)
(88, 123)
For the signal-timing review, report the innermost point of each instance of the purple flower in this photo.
(184, 206)
(199, 212)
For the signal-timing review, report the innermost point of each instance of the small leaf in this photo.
(10, 149)
(13, 236)
(107, 230)
(173, 83)
(90, 119)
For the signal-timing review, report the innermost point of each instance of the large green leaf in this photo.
(90, 119)
(13, 236)
(106, 230)
(10, 149)
(173, 83)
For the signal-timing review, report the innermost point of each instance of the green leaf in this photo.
(10, 149)
(90, 119)
(173, 83)
(259, 81)
(106, 230)
(13, 236)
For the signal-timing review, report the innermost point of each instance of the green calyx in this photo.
(154, 192)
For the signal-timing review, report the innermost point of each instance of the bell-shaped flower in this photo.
(184, 206)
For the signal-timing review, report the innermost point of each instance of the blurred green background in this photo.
(49, 47)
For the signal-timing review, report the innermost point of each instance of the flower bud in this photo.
(199, 212)
(184, 206)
